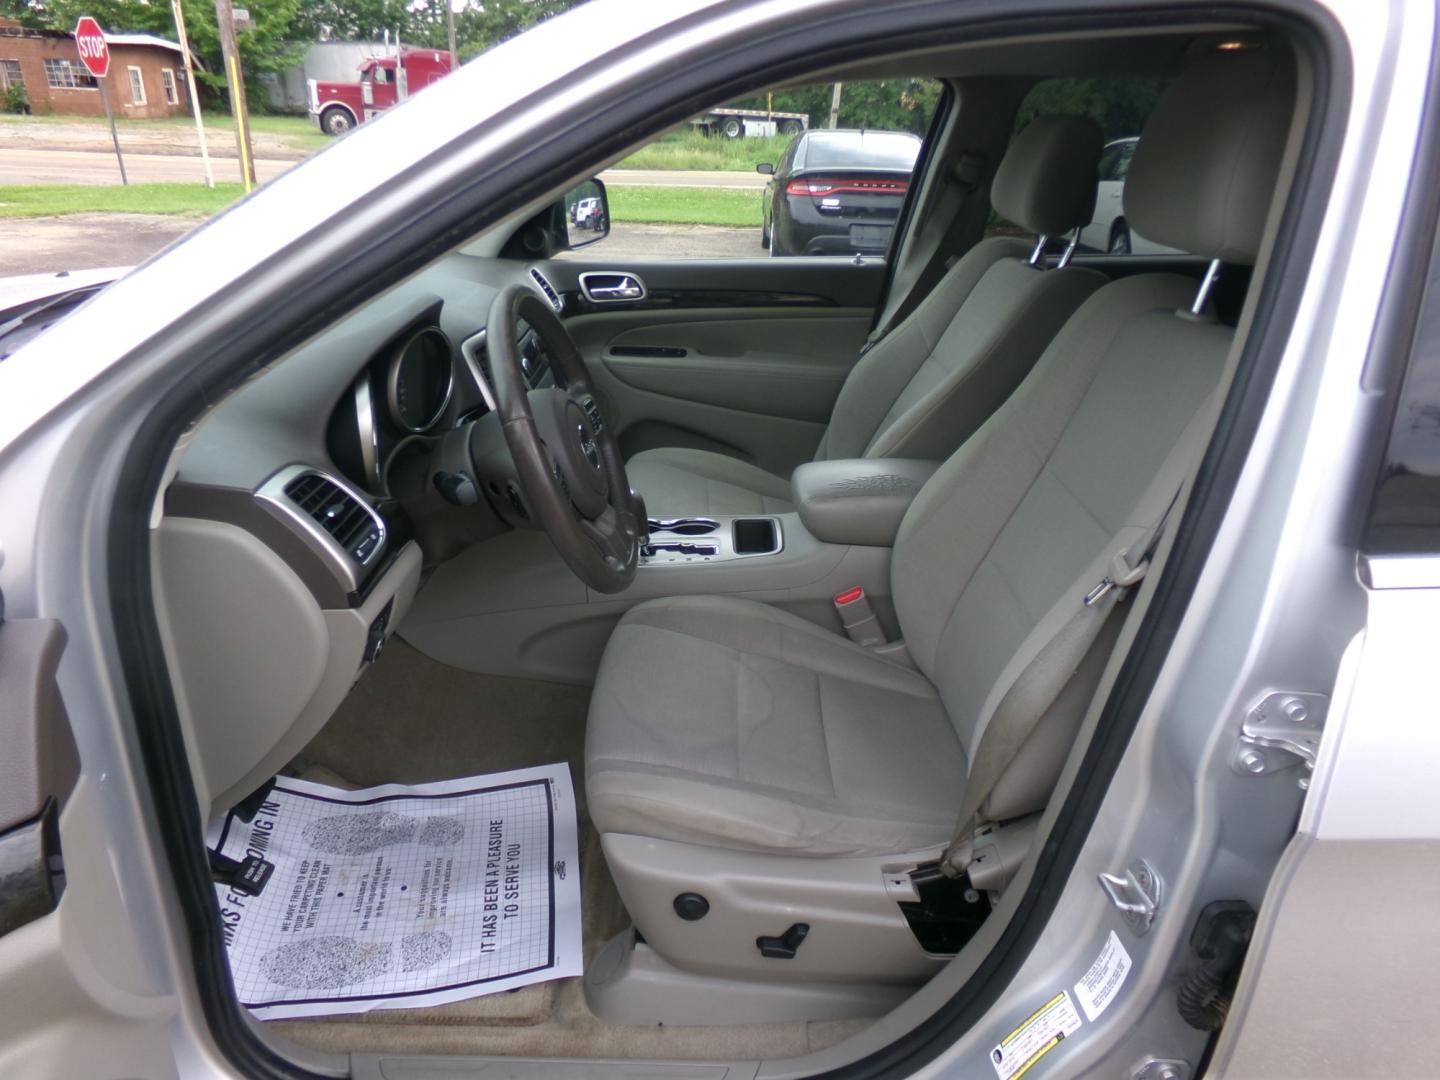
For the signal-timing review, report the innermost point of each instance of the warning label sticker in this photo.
(1042, 1031)
(1104, 979)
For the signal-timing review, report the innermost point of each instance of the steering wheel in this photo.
(566, 458)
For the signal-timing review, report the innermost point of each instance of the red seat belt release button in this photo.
(858, 618)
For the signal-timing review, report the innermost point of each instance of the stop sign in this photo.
(90, 40)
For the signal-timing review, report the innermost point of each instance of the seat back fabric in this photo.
(928, 384)
(994, 544)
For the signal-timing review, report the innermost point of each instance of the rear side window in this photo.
(1120, 107)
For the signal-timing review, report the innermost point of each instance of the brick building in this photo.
(147, 73)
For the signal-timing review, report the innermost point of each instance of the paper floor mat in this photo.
(403, 896)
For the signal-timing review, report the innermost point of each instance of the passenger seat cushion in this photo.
(680, 482)
(726, 722)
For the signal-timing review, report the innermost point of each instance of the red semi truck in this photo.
(336, 107)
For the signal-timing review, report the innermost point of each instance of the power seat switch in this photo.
(785, 946)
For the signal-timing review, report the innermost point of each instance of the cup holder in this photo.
(684, 526)
(756, 536)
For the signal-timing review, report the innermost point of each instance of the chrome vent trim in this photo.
(347, 520)
(549, 290)
(331, 516)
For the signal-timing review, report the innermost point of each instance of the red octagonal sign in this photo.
(90, 40)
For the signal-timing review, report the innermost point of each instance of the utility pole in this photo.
(230, 50)
(835, 107)
(191, 91)
(450, 27)
(402, 84)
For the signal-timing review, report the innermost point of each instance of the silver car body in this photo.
(106, 985)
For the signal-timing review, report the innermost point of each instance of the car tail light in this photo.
(815, 186)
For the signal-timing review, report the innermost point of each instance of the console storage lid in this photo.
(858, 500)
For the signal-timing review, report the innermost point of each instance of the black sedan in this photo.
(836, 192)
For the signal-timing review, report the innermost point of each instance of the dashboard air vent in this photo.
(548, 290)
(346, 519)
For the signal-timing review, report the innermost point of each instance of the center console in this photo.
(510, 606)
(711, 539)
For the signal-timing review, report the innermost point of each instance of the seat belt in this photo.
(1041, 681)
(962, 180)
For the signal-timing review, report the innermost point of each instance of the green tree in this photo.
(1119, 106)
(269, 45)
(893, 104)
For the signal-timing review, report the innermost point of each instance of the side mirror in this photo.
(765, 168)
(587, 214)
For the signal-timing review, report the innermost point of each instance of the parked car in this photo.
(1040, 694)
(836, 192)
(1110, 232)
(586, 214)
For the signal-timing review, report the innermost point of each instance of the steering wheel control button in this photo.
(786, 945)
(691, 906)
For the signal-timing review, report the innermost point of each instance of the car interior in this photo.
(811, 569)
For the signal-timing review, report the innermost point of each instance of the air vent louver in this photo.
(341, 515)
(548, 290)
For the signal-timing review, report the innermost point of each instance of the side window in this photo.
(1404, 514)
(798, 171)
(1120, 107)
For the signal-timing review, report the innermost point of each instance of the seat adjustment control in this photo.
(691, 906)
(785, 946)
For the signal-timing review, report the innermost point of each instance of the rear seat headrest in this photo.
(1205, 167)
(1046, 181)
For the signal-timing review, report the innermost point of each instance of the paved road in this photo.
(26, 165)
(32, 165)
(84, 241)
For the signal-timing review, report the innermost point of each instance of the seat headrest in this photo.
(1046, 181)
(1205, 167)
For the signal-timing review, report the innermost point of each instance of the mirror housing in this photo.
(765, 168)
(586, 211)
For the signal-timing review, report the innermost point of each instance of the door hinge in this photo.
(1280, 732)
(1136, 893)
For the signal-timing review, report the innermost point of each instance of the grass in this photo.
(684, 205)
(662, 205)
(692, 150)
(47, 200)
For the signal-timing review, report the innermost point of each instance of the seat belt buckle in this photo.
(858, 617)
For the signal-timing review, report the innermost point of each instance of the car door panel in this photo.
(38, 769)
(742, 356)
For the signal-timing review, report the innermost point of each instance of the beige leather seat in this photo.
(726, 724)
(923, 389)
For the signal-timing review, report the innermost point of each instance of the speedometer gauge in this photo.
(420, 379)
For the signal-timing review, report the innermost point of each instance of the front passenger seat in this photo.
(736, 747)
(927, 385)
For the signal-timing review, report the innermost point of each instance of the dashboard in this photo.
(417, 386)
(301, 512)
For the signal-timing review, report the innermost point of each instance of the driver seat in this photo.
(737, 751)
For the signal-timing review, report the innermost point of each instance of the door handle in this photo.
(610, 287)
